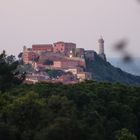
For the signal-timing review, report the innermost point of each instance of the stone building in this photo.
(38, 48)
(65, 48)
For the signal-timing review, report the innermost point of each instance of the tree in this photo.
(125, 134)
(20, 55)
(48, 62)
(54, 73)
(61, 129)
(8, 74)
(7, 132)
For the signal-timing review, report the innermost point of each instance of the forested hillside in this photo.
(84, 111)
(104, 71)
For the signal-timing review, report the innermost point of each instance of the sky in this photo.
(27, 22)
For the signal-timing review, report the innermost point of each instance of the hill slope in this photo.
(132, 67)
(104, 71)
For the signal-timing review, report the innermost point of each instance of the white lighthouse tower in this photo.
(101, 48)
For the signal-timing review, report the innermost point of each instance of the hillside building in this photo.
(80, 52)
(28, 55)
(61, 56)
(82, 76)
(39, 48)
(64, 48)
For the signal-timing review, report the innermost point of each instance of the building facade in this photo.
(65, 48)
(42, 48)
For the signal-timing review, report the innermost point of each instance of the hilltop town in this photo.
(59, 62)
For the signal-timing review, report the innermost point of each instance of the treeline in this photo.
(84, 111)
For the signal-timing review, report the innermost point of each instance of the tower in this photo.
(101, 45)
(101, 48)
(24, 49)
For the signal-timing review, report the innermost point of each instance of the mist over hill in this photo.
(132, 67)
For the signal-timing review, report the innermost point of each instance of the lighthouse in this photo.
(101, 48)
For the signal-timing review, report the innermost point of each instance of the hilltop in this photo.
(64, 62)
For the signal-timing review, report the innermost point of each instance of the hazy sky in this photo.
(27, 22)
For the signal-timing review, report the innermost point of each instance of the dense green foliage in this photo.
(54, 73)
(84, 111)
(124, 134)
(9, 76)
(48, 62)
